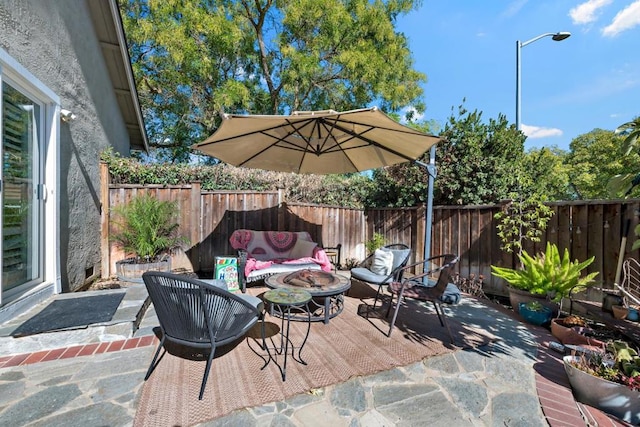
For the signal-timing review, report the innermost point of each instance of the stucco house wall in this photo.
(56, 41)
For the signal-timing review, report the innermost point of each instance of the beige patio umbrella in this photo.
(323, 142)
(319, 142)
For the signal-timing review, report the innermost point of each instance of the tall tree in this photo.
(547, 173)
(195, 59)
(594, 158)
(478, 162)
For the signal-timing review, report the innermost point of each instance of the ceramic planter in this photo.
(538, 317)
(516, 296)
(612, 398)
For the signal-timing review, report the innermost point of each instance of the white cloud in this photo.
(626, 19)
(417, 117)
(586, 12)
(534, 132)
(513, 8)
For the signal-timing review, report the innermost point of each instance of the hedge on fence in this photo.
(350, 190)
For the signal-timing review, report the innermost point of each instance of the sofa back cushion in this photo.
(271, 245)
(302, 249)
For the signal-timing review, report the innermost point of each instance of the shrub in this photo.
(146, 228)
(547, 274)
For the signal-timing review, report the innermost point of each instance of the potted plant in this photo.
(609, 381)
(535, 313)
(147, 231)
(546, 276)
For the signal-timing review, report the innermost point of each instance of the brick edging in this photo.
(76, 351)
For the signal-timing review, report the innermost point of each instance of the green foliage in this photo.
(631, 132)
(521, 220)
(535, 306)
(547, 274)
(620, 363)
(375, 242)
(194, 60)
(626, 184)
(546, 173)
(595, 158)
(349, 190)
(477, 160)
(146, 227)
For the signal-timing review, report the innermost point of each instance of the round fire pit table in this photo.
(327, 290)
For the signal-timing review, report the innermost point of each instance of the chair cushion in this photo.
(366, 275)
(451, 295)
(382, 262)
(415, 289)
(254, 301)
(399, 255)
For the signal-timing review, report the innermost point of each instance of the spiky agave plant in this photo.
(547, 273)
(147, 228)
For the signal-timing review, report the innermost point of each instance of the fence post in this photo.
(105, 180)
(282, 207)
(196, 224)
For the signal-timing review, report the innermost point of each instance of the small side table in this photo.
(284, 301)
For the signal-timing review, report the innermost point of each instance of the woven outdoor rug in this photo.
(349, 346)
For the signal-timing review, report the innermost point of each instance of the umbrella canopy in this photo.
(319, 142)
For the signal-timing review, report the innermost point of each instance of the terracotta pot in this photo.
(609, 300)
(516, 296)
(619, 311)
(571, 335)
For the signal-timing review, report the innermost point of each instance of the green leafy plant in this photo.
(146, 228)
(547, 273)
(375, 242)
(520, 220)
(620, 363)
(535, 306)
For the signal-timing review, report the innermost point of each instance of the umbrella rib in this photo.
(370, 141)
(262, 131)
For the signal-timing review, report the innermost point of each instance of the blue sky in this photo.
(591, 80)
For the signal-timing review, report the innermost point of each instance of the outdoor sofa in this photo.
(264, 253)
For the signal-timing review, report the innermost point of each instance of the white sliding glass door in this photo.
(21, 190)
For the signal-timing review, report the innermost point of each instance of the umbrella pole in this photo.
(431, 170)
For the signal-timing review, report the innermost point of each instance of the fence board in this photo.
(592, 228)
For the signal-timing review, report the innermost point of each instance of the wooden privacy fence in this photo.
(207, 218)
(586, 228)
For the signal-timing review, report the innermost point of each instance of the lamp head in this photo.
(561, 36)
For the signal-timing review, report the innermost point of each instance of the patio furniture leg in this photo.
(395, 312)
(155, 357)
(443, 319)
(206, 371)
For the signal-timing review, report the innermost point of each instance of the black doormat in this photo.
(71, 313)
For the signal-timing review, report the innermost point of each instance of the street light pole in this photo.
(519, 45)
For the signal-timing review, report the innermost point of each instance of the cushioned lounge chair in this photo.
(364, 272)
(196, 314)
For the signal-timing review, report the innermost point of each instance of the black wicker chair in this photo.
(424, 287)
(198, 315)
(401, 255)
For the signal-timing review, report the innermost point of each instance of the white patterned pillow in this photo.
(382, 263)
